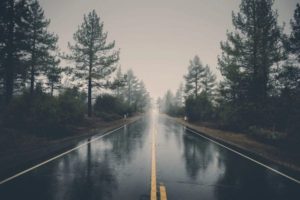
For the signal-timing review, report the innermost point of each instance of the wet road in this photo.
(118, 166)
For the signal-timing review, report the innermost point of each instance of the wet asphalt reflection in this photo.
(192, 167)
(118, 166)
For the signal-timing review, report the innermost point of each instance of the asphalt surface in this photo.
(118, 166)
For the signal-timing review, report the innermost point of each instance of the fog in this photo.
(157, 38)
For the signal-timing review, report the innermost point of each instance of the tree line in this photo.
(32, 91)
(259, 92)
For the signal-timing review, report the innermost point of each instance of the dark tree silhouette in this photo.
(194, 77)
(92, 54)
(12, 43)
(248, 56)
(295, 35)
(42, 43)
(54, 75)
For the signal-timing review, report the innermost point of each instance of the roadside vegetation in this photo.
(259, 91)
(47, 92)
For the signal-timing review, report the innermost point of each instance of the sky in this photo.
(157, 38)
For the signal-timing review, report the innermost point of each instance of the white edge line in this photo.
(58, 156)
(247, 157)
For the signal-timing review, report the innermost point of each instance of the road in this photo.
(125, 164)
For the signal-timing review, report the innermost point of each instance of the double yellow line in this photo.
(163, 193)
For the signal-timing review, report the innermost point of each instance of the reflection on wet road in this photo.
(191, 167)
(114, 167)
(118, 166)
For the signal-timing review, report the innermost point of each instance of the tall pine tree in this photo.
(248, 56)
(141, 97)
(194, 77)
(92, 54)
(13, 42)
(295, 35)
(179, 96)
(54, 75)
(288, 106)
(119, 83)
(131, 85)
(208, 82)
(42, 44)
(289, 77)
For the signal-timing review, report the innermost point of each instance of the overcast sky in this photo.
(157, 38)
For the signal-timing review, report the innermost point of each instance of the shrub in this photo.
(108, 116)
(176, 111)
(199, 108)
(109, 107)
(266, 135)
(43, 114)
(233, 117)
(71, 104)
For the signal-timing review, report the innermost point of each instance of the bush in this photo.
(175, 111)
(108, 116)
(266, 135)
(199, 108)
(30, 113)
(71, 104)
(43, 114)
(109, 107)
(233, 117)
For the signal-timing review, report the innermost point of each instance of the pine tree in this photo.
(288, 101)
(132, 91)
(208, 82)
(54, 75)
(141, 97)
(12, 44)
(119, 83)
(168, 102)
(248, 56)
(130, 86)
(42, 43)
(179, 96)
(92, 54)
(289, 76)
(194, 77)
(295, 35)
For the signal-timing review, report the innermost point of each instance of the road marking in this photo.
(58, 156)
(153, 194)
(247, 157)
(163, 192)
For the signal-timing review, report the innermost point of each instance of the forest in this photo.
(153, 99)
(46, 91)
(259, 91)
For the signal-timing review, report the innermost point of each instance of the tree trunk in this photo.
(52, 86)
(9, 64)
(196, 87)
(129, 93)
(32, 80)
(9, 80)
(33, 63)
(90, 92)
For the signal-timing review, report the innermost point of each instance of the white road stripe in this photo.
(58, 156)
(247, 157)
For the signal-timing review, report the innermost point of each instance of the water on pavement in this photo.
(118, 166)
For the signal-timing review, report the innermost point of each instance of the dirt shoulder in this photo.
(286, 161)
(19, 151)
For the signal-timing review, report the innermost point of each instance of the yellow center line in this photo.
(163, 193)
(153, 168)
